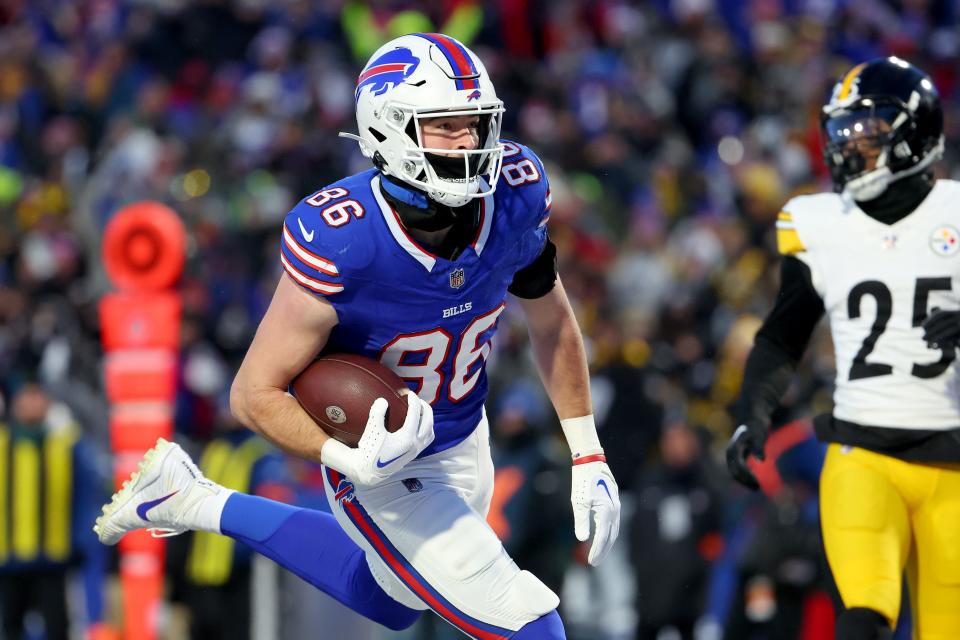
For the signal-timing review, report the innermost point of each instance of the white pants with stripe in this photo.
(428, 544)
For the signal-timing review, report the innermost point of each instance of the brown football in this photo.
(337, 391)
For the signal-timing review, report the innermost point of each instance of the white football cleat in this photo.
(167, 495)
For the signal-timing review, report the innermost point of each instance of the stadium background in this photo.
(672, 131)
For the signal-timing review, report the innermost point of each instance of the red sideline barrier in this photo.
(143, 252)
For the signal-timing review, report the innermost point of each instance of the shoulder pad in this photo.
(326, 236)
(949, 186)
(800, 217)
(524, 178)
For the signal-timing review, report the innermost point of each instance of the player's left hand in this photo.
(595, 491)
(941, 329)
(747, 441)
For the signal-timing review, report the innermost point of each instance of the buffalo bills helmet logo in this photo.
(387, 71)
(475, 95)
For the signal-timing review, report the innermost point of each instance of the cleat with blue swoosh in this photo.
(167, 495)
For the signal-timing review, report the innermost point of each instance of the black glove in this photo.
(941, 329)
(746, 441)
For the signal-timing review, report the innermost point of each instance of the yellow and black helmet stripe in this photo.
(847, 83)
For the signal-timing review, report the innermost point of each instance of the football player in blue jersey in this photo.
(408, 263)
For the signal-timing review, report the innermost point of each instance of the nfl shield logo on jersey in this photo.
(945, 241)
(457, 278)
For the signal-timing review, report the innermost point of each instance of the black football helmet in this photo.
(885, 110)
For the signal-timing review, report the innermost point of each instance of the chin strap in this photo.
(872, 185)
(900, 198)
(868, 186)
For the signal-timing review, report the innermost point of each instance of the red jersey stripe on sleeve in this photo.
(317, 262)
(313, 284)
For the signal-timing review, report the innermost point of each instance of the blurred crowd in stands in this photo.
(672, 131)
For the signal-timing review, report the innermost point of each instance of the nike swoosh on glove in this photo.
(746, 441)
(595, 491)
(941, 329)
(380, 454)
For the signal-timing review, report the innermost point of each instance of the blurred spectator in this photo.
(50, 491)
(367, 25)
(784, 588)
(625, 405)
(218, 571)
(304, 609)
(675, 534)
(530, 510)
(673, 130)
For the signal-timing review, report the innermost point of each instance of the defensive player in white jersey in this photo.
(881, 257)
(409, 263)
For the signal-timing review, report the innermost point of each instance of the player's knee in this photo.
(861, 623)
(546, 627)
(528, 597)
(942, 540)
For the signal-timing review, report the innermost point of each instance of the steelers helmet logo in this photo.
(945, 241)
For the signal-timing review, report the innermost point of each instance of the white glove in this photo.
(380, 454)
(594, 489)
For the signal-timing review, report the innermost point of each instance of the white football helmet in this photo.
(426, 75)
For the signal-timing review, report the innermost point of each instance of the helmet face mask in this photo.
(449, 176)
(421, 76)
(864, 144)
(882, 123)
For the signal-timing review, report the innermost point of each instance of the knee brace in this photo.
(861, 623)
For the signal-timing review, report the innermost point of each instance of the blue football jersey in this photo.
(428, 319)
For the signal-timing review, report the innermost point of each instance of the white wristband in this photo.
(581, 434)
(337, 456)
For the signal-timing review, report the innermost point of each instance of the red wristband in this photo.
(597, 457)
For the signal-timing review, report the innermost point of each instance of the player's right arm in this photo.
(293, 331)
(778, 347)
